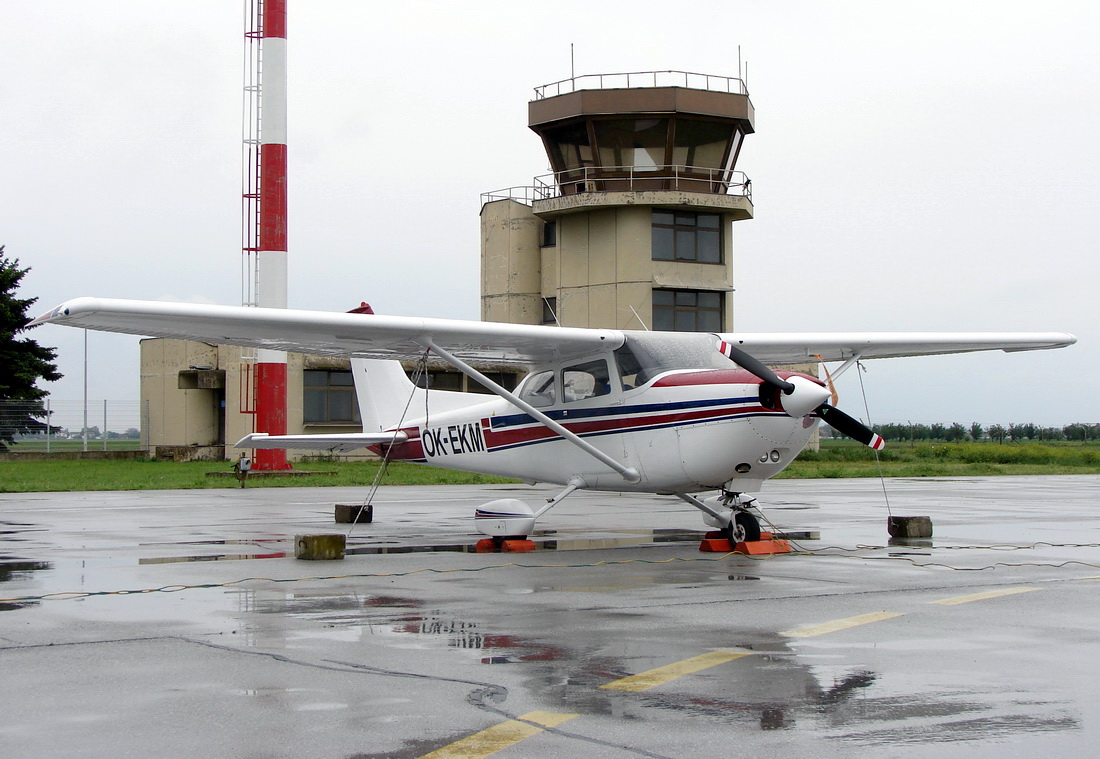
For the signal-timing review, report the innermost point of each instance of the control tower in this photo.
(634, 227)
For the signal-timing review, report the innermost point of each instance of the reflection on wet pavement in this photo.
(13, 568)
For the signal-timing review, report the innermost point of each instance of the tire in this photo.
(744, 528)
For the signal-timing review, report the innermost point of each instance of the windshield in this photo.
(647, 354)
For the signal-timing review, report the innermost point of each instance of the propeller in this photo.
(850, 426)
(799, 396)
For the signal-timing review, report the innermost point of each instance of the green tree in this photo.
(22, 361)
(975, 431)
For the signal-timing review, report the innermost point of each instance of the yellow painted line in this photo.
(839, 624)
(499, 737)
(654, 677)
(983, 596)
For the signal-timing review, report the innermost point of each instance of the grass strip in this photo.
(834, 460)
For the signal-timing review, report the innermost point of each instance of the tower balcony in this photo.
(586, 188)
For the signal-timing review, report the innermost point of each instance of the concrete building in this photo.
(632, 230)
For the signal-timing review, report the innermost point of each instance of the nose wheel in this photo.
(743, 528)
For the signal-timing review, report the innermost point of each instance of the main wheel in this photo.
(743, 529)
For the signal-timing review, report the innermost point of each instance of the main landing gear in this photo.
(508, 521)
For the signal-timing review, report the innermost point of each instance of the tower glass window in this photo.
(637, 144)
(686, 236)
(700, 143)
(568, 147)
(329, 398)
(687, 311)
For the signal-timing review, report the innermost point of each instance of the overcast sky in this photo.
(917, 166)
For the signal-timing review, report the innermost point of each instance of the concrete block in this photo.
(347, 513)
(319, 547)
(909, 527)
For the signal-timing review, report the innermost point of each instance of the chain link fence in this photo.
(55, 426)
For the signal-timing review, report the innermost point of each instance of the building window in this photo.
(507, 380)
(686, 236)
(549, 234)
(687, 311)
(550, 311)
(447, 379)
(440, 379)
(329, 398)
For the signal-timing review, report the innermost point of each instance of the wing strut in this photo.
(629, 473)
(855, 357)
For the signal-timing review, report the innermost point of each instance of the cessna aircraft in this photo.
(670, 413)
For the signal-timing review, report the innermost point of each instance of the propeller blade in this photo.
(850, 426)
(753, 366)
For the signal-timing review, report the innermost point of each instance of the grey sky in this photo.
(916, 166)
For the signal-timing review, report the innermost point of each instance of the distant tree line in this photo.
(997, 433)
(94, 433)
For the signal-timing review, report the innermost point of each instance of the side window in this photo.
(538, 390)
(588, 380)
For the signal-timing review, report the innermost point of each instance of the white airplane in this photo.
(671, 413)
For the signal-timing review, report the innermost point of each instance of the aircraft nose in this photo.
(806, 397)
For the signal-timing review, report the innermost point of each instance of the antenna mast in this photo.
(264, 268)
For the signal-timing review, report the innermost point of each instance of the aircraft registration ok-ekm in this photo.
(671, 413)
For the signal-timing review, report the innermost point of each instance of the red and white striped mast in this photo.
(266, 227)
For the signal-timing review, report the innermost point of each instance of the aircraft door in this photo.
(588, 393)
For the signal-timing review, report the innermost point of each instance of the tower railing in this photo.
(587, 179)
(627, 80)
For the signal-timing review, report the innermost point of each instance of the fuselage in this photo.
(682, 430)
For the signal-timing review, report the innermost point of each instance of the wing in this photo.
(339, 443)
(329, 333)
(801, 347)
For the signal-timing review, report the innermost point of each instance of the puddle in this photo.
(213, 557)
(13, 568)
(548, 540)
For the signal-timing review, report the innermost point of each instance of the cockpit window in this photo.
(538, 390)
(587, 380)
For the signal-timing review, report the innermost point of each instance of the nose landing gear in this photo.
(738, 529)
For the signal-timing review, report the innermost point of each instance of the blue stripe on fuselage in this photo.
(580, 414)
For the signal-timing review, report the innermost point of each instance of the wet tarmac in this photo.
(179, 623)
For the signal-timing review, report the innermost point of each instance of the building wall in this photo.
(510, 280)
(601, 268)
(179, 417)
